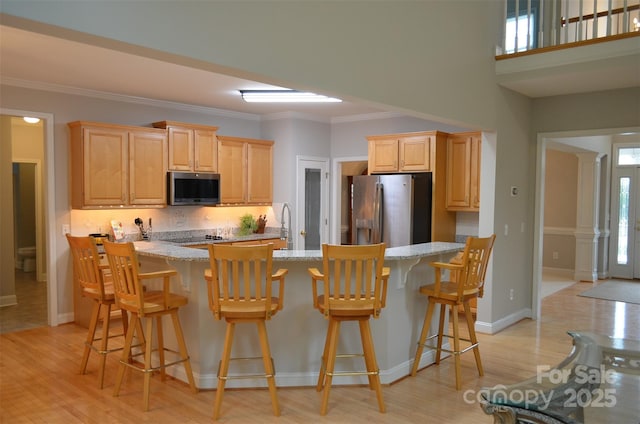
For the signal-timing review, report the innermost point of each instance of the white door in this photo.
(312, 203)
(624, 261)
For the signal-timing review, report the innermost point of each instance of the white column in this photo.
(587, 223)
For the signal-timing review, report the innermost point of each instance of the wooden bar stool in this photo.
(469, 275)
(240, 291)
(88, 271)
(353, 288)
(140, 303)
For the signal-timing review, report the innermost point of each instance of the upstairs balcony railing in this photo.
(532, 25)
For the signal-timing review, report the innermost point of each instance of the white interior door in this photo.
(312, 204)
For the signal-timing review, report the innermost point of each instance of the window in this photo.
(524, 15)
(623, 221)
(629, 156)
(510, 41)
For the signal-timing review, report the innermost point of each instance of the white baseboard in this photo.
(8, 300)
(501, 324)
(66, 318)
(562, 272)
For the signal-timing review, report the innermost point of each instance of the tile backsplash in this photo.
(172, 218)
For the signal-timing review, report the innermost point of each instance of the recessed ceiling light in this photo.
(285, 96)
(31, 120)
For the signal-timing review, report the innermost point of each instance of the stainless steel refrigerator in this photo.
(395, 209)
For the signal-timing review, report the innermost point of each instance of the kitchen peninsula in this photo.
(297, 333)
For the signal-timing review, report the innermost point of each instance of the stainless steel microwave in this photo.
(193, 188)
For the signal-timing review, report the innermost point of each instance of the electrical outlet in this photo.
(65, 229)
(511, 294)
(555, 256)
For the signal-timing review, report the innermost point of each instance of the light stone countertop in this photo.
(173, 251)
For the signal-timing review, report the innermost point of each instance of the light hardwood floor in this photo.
(31, 310)
(39, 380)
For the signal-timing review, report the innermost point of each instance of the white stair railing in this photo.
(532, 24)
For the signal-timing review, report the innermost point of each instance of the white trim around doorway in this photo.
(49, 208)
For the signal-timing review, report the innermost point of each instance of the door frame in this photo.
(538, 232)
(336, 190)
(48, 208)
(631, 269)
(303, 163)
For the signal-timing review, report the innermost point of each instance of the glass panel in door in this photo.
(312, 224)
(312, 207)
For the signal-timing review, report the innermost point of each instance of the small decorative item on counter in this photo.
(99, 238)
(144, 233)
(118, 230)
(248, 225)
(262, 222)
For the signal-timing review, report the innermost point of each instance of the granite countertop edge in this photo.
(181, 252)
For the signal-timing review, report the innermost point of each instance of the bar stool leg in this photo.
(106, 320)
(423, 336)
(147, 364)
(126, 351)
(224, 368)
(160, 331)
(268, 366)
(91, 335)
(443, 314)
(472, 337)
(456, 347)
(182, 347)
(334, 333)
(372, 363)
(367, 359)
(322, 374)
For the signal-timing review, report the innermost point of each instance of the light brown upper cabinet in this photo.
(463, 171)
(117, 166)
(246, 170)
(408, 152)
(192, 147)
(424, 151)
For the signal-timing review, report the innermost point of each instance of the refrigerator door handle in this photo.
(376, 236)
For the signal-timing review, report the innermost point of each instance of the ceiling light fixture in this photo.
(285, 96)
(31, 120)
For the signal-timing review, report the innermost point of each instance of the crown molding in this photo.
(56, 88)
(366, 117)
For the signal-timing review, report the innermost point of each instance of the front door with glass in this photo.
(625, 213)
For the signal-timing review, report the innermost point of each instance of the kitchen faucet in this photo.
(285, 233)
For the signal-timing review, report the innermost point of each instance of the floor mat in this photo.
(616, 290)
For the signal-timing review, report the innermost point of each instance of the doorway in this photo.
(596, 144)
(40, 152)
(312, 204)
